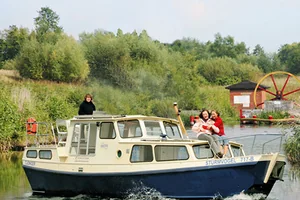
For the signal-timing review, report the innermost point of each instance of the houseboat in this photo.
(117, 155)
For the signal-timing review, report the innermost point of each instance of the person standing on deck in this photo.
(203, 129)
(87, 106)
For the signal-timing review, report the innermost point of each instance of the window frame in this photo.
(169, 146)
(45, 158)
(142, 161)
(27, 153)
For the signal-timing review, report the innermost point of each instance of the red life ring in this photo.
(31, 126)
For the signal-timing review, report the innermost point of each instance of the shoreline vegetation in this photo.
(48, 101)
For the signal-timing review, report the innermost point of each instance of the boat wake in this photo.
(243, 196)
(145, 193)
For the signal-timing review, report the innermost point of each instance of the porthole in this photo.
(119, 153)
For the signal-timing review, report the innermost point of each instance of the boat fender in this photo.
(31, 126)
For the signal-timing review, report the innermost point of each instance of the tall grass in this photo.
(292, 146)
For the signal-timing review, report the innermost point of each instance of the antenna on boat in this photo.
(177, 111)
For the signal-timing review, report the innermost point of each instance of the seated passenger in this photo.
(218, 131)
(203, 129)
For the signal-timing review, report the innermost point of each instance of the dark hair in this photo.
(201, 113)
(216, 112)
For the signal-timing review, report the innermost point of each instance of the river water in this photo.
(14, 184)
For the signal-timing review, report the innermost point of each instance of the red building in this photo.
(242, 95)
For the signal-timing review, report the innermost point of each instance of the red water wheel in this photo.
(280, 86)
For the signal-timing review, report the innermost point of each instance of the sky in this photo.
(270, 23)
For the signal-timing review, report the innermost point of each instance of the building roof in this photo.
(245, 85)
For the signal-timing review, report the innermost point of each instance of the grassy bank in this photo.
(48, 101)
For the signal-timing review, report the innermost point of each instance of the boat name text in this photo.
(229, 161)
(31, 163)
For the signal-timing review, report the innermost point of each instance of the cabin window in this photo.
(153, 128)
(236, 151)
(45, 154)
(129, 129)
(172, 130)
(203, 151)
(107, 130)
(31, 154)
(84, 139)
(141, 153)
(168, 153)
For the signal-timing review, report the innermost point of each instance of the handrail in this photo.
(254, 136)
(263, 147)
(39, 135)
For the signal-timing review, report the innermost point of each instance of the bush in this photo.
(61, 61)
(292, 146)
(10, 122)
(275, 115)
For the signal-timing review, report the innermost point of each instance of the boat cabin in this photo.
(122, 139)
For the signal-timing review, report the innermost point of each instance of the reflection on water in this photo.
(14, 184)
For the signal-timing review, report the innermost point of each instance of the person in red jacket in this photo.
(218, 130)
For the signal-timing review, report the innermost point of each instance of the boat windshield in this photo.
(129, 129)
(154, 128)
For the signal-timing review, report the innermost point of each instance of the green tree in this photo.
(289, 55)
(62, 61)
(46, 22)
(267, 62)
(11, 41)
(258, 50)
(192, 47)
(227, 47)
(108, 58)
(225, 71)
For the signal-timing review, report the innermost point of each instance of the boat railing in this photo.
(261, 143)
(42, 135)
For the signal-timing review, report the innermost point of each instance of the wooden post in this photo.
(179, 119)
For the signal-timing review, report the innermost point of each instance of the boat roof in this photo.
(97, 117)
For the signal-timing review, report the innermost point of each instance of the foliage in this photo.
(292, 146)
(62, 61)
(193, 47)
(227, 47)
(275, 115)
(46, 22)
(10, 121)
(11, 41)
(108, 58)
(289, 55)
(225, 71)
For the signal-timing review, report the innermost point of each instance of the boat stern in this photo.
(275, 164)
